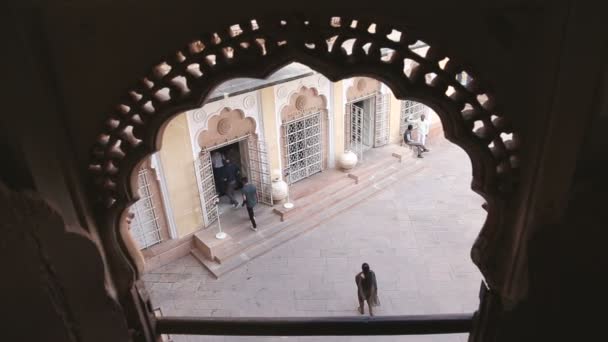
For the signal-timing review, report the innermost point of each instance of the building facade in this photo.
(291, 129)
(544, 62)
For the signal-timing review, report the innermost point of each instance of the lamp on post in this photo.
(288, 204)
(220, 235)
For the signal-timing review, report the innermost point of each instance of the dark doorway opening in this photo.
(366, 124)
(234, 165)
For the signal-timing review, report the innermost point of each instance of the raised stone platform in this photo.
(316, 199)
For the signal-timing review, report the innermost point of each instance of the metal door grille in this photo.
(145, 227)
(348, 110)
(356, 130)
(259, 173)
(381, 118)
(410, 110)
(304, 147)
(207, 190)
(367, 123)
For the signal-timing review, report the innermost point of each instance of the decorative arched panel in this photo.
(304, 101)
(338, 47)
(228, 124)
(362, 87)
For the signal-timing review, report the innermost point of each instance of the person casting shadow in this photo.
(367, 289)
(231, 176)
(250, 200)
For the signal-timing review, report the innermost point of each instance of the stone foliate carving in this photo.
(301, 102)
(224, 126)
(249, 102)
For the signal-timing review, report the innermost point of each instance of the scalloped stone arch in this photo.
(362, 87)
(228, 124)
(338, 47)
(303, 101)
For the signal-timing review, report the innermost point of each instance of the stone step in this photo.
(359, 174)
(248, 239)
(384, 153)
(304, 226)
(308, 222)
(336, 187)
(303, 203)
(307, 186)
(211, 266)
(320, 205)
(340, 188)
(215, 250)
(272, 237)
(319, 202)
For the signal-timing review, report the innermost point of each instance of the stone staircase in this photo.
(317, 205)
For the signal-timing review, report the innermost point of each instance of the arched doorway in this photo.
(366, 118)
(230, 130)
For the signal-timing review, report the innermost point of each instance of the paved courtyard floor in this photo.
(416, 235)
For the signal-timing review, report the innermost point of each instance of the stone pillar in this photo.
(337, 111)
(178, 166)
(394, 119)
(271, 127)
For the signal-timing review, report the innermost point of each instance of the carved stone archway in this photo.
(304, 102)
(227, 125)
(339, 47)
(362, 87)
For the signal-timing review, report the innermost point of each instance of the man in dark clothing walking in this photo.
(367, 289)
(250, 200)
(217, 161)
(231, 174)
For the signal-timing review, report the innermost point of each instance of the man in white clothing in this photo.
(423, 130)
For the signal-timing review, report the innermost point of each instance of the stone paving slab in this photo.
(416, 235)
